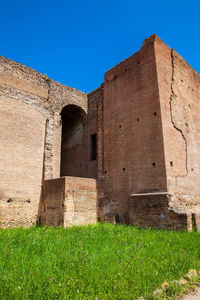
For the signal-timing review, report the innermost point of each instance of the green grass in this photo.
(103, 261)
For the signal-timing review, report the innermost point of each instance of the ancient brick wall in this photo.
(30, 138)
(179, 91)
(52, 202)
(93, 99)
(153, 210)
(69, 201)
(22, 134)
(80, 207)
(133, 142)
(146, 119)
(95, 125)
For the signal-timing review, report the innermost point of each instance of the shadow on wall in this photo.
(73, 145)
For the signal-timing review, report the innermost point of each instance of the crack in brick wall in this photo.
(173, 100)
(132, 86)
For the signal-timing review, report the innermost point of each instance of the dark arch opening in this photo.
(73, 146)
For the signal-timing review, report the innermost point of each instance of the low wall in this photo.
(69, 201)
(158, 210)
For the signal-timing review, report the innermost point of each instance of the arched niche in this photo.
(73, 142)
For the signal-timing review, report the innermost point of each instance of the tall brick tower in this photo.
(129, 150)
(152, 138)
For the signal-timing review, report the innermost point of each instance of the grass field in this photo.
(103, 261)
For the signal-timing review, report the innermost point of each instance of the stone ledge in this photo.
(150, 194)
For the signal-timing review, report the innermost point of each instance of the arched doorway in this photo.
(73, 145)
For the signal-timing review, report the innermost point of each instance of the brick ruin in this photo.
(129, 151)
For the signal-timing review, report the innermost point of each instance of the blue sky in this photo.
(76, 42)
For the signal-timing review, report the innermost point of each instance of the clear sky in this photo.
(76, 41)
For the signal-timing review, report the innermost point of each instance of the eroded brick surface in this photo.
(146, 119)
(179, 90)
(159, 210)
(69, 201)
(30, 137)
(134, 159)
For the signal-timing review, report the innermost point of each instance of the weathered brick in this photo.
(146, 118)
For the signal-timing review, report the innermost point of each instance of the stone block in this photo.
(69, 201)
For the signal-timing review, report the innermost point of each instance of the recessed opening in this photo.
(171, 163)
(105, 172)
(138, 119)
(124, 169)
(120, 126)
(194, 222)
(181, 80)
(72, 154)
(192, 169)
(126, 70)
(153, 164)
(155, 114)
(93, 146)
(138, 62)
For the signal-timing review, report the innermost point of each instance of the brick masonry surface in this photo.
(69, 201)
(30, 138)
(145, 117)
